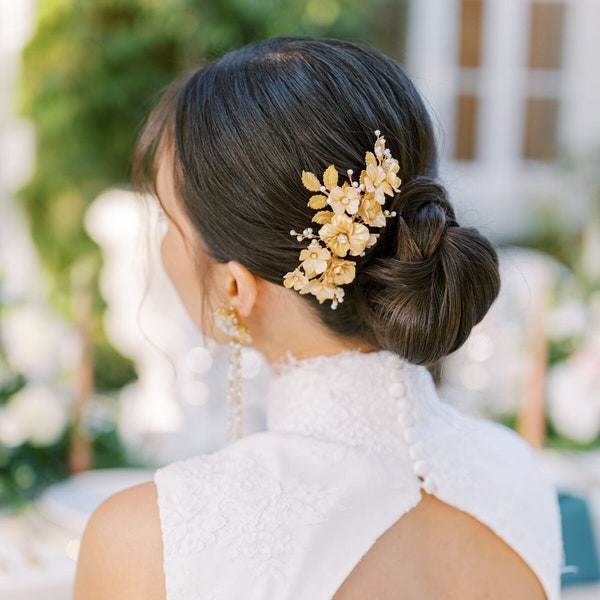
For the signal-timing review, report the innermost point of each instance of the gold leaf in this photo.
(323, 217)
(370, 159)
(310, 181)
(330, 178)
(317, 202)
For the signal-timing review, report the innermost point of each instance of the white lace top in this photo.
(351, 440)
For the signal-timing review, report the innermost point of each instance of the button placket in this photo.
(407, 419)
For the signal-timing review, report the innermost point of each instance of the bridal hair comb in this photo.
(345, 213)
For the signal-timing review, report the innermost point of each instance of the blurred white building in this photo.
(18, 262)
(16, 135)
(515, 86)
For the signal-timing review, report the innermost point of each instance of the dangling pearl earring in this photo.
(227, 320)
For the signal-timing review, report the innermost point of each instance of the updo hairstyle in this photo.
(245, 127)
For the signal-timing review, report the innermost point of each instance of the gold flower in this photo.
(295, 279)
(344, 199)
(321, 289)
(342, 235)
(341, 272)
(389, 164)
(379, 181)
(392, 167)
(371, 212)
(314, 259)
(345, 212)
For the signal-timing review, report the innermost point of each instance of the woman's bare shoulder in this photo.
(121, 549)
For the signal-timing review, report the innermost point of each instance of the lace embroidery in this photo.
(322, 406)
(234, 503)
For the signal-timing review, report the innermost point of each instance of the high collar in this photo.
(360, 399)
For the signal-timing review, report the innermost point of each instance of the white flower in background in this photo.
(37, 343)
(573, 392)
(39, 412)
(12, 433)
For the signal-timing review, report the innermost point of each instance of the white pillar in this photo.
(432, 55)
(503, 85)
(580, 90)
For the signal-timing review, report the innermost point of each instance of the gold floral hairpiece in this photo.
(345, 213)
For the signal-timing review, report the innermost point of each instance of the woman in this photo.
(298, 177)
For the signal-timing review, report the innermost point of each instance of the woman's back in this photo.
(361, 460)
(437, 551)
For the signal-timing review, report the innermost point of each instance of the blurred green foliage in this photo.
(110, 373)
(93, 70)
(26, 469)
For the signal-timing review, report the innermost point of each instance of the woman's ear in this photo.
(242, 288)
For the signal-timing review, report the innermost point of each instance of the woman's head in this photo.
(234, 138)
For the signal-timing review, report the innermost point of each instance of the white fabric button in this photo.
(404, 405)
(406, 419)
(430, 485)
(398, 388)
(421, 468)
(410, 435)
(417, 451)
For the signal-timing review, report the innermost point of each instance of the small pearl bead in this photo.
(421, 467)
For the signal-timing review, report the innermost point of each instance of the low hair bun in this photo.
(431, 282)
(424, 213)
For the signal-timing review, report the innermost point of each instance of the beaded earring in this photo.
(227, 320)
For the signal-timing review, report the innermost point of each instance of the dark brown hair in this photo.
(245, 127)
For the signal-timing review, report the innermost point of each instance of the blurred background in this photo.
(102, 376)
